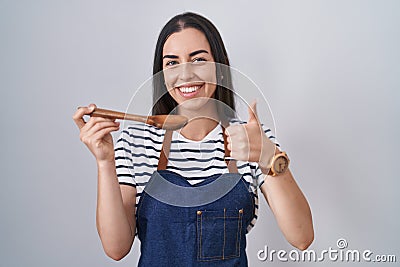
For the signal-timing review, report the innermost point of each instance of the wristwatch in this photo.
(279, 164)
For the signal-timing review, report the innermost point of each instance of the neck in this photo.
(200, 123)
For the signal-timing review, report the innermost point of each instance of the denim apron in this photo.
(209, 234)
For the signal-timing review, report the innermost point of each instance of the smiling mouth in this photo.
(189, 88)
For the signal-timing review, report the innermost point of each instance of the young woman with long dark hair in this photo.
(212, 148)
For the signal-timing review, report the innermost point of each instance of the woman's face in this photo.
(189, 68)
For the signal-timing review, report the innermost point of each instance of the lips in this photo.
(189, 90)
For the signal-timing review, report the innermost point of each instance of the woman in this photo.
(211, 232)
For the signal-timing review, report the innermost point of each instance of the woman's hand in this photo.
(95, 133)
(248, 142)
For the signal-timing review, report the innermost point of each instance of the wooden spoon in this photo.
(167, 122)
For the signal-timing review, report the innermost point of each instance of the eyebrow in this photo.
(191, 54)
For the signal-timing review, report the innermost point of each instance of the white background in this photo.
(329, 69)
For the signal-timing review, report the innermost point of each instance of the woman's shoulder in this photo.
(141, 133)
(236, 121)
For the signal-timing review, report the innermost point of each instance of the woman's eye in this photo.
(199, 59)
(171, 63)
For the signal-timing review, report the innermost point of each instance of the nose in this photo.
(186, 72)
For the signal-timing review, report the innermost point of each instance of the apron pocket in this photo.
(219, 234)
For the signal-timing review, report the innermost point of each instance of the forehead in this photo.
(186, 41)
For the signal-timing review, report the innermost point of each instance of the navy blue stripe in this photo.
(138, 145)
(143, 174)
(124, 175)
(198, 150)
(124, 167)
(141, 184)
(206, 142)
(125, 141)
(145, 129)
(197, 168)
(144, 164)
(196, 159)
(244, 165)
(122, 148)
(138, 155)
(123, 158)
(141, 137)
(238, 121)
(124, 183)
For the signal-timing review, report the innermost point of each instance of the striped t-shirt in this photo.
(138, 148)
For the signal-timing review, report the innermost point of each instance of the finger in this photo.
(82, 111)
(91, 134)
(253, 117)
(93, 121)
(91, 105)
(104, 131)
(101, 125)
(227, 133)
(229, 147)
(232, 130)
(229, 140)
(233, 146)
(233, 155)
(99, 135)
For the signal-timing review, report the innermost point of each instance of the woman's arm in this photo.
(115, 216)
(290, 208)
(115, 204)
(248, 142)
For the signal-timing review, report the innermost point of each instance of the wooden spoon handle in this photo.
(111, 114)
(168, 122)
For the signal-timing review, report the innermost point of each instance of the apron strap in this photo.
(163, 160)
(166, 145)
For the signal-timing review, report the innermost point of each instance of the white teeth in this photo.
(189, 89)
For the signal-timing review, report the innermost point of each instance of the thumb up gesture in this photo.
(248, 142)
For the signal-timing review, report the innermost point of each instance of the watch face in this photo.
(280, 164)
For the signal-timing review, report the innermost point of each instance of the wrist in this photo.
(269, 149)
(106, 163)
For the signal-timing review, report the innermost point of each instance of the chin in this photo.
(195, 104)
